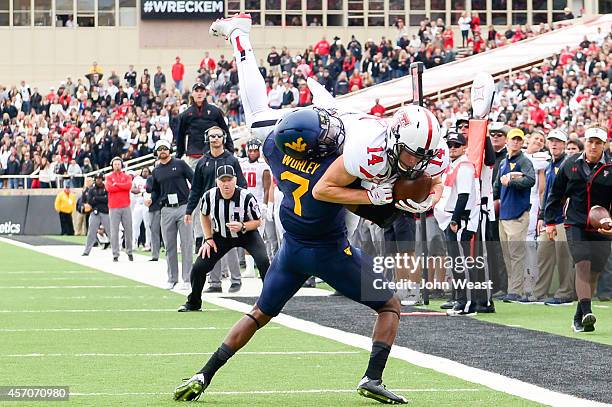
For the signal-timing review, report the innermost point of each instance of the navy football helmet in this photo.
(309, 133)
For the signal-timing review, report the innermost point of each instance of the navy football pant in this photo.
(345, 268)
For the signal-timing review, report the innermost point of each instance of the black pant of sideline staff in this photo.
(250, 241)
(66, 224)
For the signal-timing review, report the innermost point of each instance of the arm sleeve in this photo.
(528, 178)
(253, 212)
(462, 200)
(180, 137)
(240, 181)
(196, 190)
(489, 152)
(187, 171)
(205, 209)
(155, 190)
(554, 200)
(496, 186)
(229, 143)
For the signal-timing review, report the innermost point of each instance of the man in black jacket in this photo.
(204, 179)
(194, 122)
(96, 203)
(585, 180)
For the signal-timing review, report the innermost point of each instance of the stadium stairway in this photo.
(453, 76)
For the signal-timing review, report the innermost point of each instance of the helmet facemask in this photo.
(332, 133)
(424, 156)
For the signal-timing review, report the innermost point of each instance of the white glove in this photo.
(263, 208)
(381, 194)
(415, 207)
(270, 212)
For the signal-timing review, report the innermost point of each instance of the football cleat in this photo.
(577, 326)
(191, 389)
(223, 27)
(588, 322)
(374, 389)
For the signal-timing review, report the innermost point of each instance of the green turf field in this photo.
(123, 343)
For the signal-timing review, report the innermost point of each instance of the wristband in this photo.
(243, 227)
(207, 239)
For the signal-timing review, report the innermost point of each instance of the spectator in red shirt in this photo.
(178, 72)
(566, 56)
(208, 62)
(51, 94)
(349, 63)
(321, 49)
(355, 80)
(305, 97)
(118, 185)
(475, 24)
(477, 43)
(448, 38)
(378, 109)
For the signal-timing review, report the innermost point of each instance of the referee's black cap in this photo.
(198, 85)
(225, 171)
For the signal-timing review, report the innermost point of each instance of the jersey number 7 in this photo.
(302, 188)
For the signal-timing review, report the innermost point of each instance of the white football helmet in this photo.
(414, 129)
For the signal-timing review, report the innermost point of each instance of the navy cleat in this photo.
(577, 326)
(374, 389)
(588, 322)
(191, 389)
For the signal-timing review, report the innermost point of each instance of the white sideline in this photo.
(491, 380)
(256, 392)
(173, 354)
(45, 311)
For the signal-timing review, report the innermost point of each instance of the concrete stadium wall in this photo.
(30, 214)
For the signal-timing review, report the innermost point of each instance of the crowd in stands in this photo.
(78, 126)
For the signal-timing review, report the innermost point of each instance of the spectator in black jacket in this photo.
(274, 60)
(193, 124)
(96, 204)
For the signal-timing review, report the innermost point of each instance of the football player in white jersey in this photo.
(375, 151)
(257, 174)
(140, 212)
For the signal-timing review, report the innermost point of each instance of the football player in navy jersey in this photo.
(315, 244)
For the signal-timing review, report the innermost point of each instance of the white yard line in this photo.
(449, 367)
(46, 311)
(264, 392)
(52, 287)
(174, 354)
(186, 328)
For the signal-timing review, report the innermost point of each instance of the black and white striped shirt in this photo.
(241, 207)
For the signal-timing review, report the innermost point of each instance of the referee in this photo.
(170, 190)
(230, 218)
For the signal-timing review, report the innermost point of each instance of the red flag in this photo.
(477, 133)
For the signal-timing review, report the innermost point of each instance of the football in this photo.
(416, 189)
(599, 218)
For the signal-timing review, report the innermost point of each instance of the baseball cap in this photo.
(198, 85)
(225, 171)
(456, 138)
(499, 127)
(558, 135)
(515, 133)
(596, 132)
